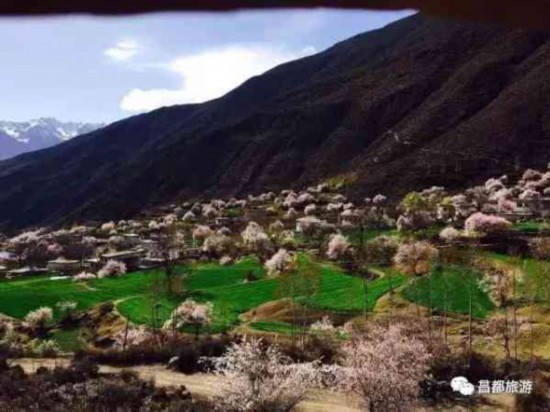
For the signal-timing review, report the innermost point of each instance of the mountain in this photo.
(21, 137)
(417, 103)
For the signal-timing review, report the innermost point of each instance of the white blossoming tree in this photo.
(38, 320)
(191, 313)
(415, 258)
(255, 239)
(280, 262)
(112, 268)
(338, 247)
(258, 377)
(217, 244)
(67, 309)
(384, 368)
(201, 232)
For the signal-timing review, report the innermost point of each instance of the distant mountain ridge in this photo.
(420, 102)
(21, 137)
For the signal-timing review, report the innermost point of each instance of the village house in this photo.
(191, 253)
(26, 271)
(132, 239)
(64, 266)
(131, 258)
(539, 207)
(93, 264)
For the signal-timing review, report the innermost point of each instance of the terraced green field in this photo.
(225, 286)
(232, 296)
(20, 296)
(450, 288)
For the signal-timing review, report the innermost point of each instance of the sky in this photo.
(101, 69)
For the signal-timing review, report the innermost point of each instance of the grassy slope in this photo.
(231, 296)
(533, 268)
(530, 226)
(20, 296)
(68, 340)
(272, 326)
(457, 282)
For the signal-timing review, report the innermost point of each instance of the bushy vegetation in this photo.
(80, 387)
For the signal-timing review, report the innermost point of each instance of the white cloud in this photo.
(210, 74)
(123, 51)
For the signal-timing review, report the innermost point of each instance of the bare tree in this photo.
(169, 243)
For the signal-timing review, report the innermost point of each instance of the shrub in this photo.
(201, 232)
(217, 244)
(134, 336)
(67, 309)
(379, 199)
(338, 246)
(188, 216)
(79, 388)
(276, 227)
(278, 263)
(449, 234)
(315, 227)
(225, 260)
(188, 358)
(190, 313)
(310, 209)
(254, 238)
(415, 221)
(415, 258)
(112, 268)
(540, 248)
(84, 276)
(529, 194)
(39, 318)
(46, 349)
(482, 223)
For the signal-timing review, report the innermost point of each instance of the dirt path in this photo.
(203, 385)
(199, 383)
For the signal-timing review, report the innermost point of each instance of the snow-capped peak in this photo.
(38, 134)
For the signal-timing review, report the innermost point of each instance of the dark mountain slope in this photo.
(419, 102)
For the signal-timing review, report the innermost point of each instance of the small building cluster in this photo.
(266, 223)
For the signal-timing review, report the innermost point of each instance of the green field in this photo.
(231, 296)
(273, 326)
(20, 296)
(537, 273)
(354, 235)
(530, 226)
(68, 340)
(224, 286)
(450, 288)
